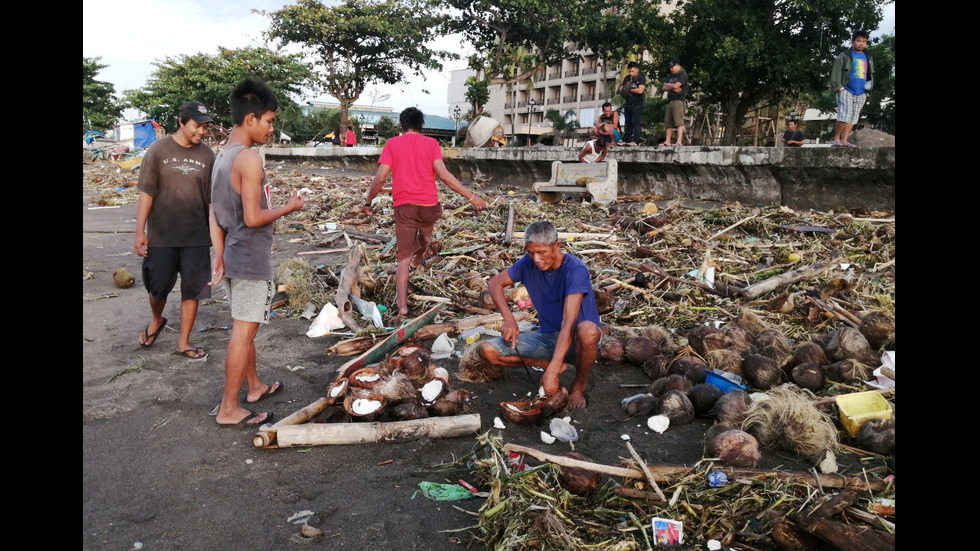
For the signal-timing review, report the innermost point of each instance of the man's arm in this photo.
(586, 149)
(379, 181)
(143, 208)
(836, 83)
(497, 284)
(217, 248)
(442, 173)
(569, 319)
(602, 155)
(248, 167)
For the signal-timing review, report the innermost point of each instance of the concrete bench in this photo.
(601, 180)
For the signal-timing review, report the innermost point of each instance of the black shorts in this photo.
(162, 264)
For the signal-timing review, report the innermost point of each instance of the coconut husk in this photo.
(408, 410)
(724, 359)
(809, 352)
(611, 350)
(453, 403)
(848, 371)
(638, 349)
(676, 406)
(750, 322)
(694, 373)
(640, 405)
(737, 339)
(761, 372)
(123, 278)
(656, 367)
(397, 387)
(808, 375)
(789, 421)
(730, 410)
(414, 362)
(705, 338)
(703, 397)
(474, 369)
(774, 345)
(735, 448)
(849, 344)
(577, 480)
(658, 334)
(878, 436)
(677, 381)
(879, 329)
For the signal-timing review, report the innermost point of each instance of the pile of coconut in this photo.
(784, 417)
(406, 385)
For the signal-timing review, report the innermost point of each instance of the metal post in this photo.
(456, 118)
(530, 109)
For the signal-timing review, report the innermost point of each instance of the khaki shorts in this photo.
(674, 116)
(250, 299)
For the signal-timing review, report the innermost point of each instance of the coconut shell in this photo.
(431, 389)
(638, 349)
(730, 410)
(520, 413)
(878, 436)
(808, 375)
(337, 390)
(726, 360)
(611, 350)
(364, 407)
(676, 406)
(640, 405)
(736, 338)
(809, 352)
(878, 329)
(705, 338)
(577, 480)
(761, 372)
(750, 322)
(123, 278)
(367, 377)
(703, 397)
(849, 344)
(408, 410)
(774, 345)
(735, 448)
(551, 403)
(656, 367)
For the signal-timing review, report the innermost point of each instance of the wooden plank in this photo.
(317, 434)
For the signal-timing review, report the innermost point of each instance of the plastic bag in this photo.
(369, 310)
(325, 322)
(563, 430)
(445, 492)
(442, 347)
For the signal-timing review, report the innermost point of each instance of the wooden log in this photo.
(455, 327)
(348, 286)
(350, 347)
(756, 290)
(317, 434)
(509, 231)
(365, 236)
(849, 537)
(789, 536)
(266, 437)
(566, 235)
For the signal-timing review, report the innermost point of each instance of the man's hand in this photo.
(366, 210)
(218, 273)
(478, 202)
(140, 244)
(509, 332)
(296, 201)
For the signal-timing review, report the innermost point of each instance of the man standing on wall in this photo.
(676, 88)
(633, 89)
(850, 77)
(792, 137)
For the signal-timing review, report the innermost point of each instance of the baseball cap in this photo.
(672, 62)
(195, 111)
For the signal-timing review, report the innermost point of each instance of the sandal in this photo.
(150, 338)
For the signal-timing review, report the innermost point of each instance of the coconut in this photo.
(761, 372)
(408, 410)
(397, 387)
(640, 405)
(439, 372)
(432, 389)
(638, 349)
(657, 387)
(705, 338)
(849, 372)
(577, 480)
(677, 382)
(336, 390)
(611, 350)
(788, 420)
(878, 329)
(735, 447)
(736, 338)
(878, 436)
(750, 322)
(731, 408)
(676, 406)
(452, 403)
(849, 344)
(520, 412)
(415, 362)
(366, 377)
(726, 360)
(656, 367)
(690, 371)
(474, 369)
(604, 302)
(774, 345)
(550, 403)
(364, 406)
(123, 278)
(808, 375)
(809, 352)
(703, 397)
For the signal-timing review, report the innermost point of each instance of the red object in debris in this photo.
(524, 304)
(117, 152)
(468, 486)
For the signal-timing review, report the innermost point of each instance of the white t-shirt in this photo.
(592, 156)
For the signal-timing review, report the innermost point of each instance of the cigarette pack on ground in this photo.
(667, 532)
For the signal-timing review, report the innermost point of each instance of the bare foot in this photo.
(576, 400)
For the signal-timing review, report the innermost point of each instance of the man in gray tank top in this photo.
(241, 235)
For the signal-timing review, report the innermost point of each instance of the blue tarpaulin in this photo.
(143, 134)
(91, 135)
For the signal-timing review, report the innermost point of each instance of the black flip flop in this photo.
(152, 338)
(244, 422)
(188, 354)
(273, 389)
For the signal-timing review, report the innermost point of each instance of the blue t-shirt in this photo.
(548, 290)
(859, 73)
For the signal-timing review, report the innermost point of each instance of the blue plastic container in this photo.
(721, 382)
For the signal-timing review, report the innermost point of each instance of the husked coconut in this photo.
(705, 338)
(849, 372)
(452, 403)
(878, 329)
(808, 375)
(761, 372)
(123, 278)
(432, 389)
(640, 405)
(365, 406)
(638, 349)
(809, 352)
(774, 345)
(878, 436)
(415, 362)
(726, 360)
(736, 448)
(337, 390)
(577, 480)
(730, 410)
(408, 410)
(736, 338)
(676, 406)
(750, 322)
(849, 344)
(656, 367)
(611, 350)
(474, 369)
(703, 397)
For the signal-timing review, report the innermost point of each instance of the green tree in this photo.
(386, 128)
(564, 124)
(313, 126)
(209, 79)
(100, 109)
(880, 105)
(745, 53)
(478, 94)
(360, 42)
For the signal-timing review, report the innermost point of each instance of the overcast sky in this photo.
(130, 36)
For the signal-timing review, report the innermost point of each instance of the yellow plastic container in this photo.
(858, 407)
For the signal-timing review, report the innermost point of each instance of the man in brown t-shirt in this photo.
(172, 232)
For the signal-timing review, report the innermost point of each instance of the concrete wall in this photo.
(823, 178)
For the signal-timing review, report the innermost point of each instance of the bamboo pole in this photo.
(318, 434)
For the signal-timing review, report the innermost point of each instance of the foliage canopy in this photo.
(100, 109)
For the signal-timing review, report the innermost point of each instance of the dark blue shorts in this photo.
(538, 346)
(162, 265)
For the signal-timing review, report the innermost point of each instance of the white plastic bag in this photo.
(563, 430)
(325, 322)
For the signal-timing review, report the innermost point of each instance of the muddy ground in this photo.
(159, 474)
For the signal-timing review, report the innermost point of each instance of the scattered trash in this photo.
(498, 424)
(658, 423)
(325, 322)
(445, 492)
(667, 532)
(547, 438)
(563, 430)
(717, 478)
(300, 517)
(442, 347)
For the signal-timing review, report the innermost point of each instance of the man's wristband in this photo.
(367, 203)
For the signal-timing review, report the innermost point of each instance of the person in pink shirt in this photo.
(414, 162)
(351, 137)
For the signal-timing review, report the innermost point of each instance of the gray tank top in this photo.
(248, 251)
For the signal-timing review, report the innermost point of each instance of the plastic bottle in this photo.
(526, 326)
(472, 335)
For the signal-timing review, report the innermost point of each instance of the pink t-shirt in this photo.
(413, 179)
(351, 138)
